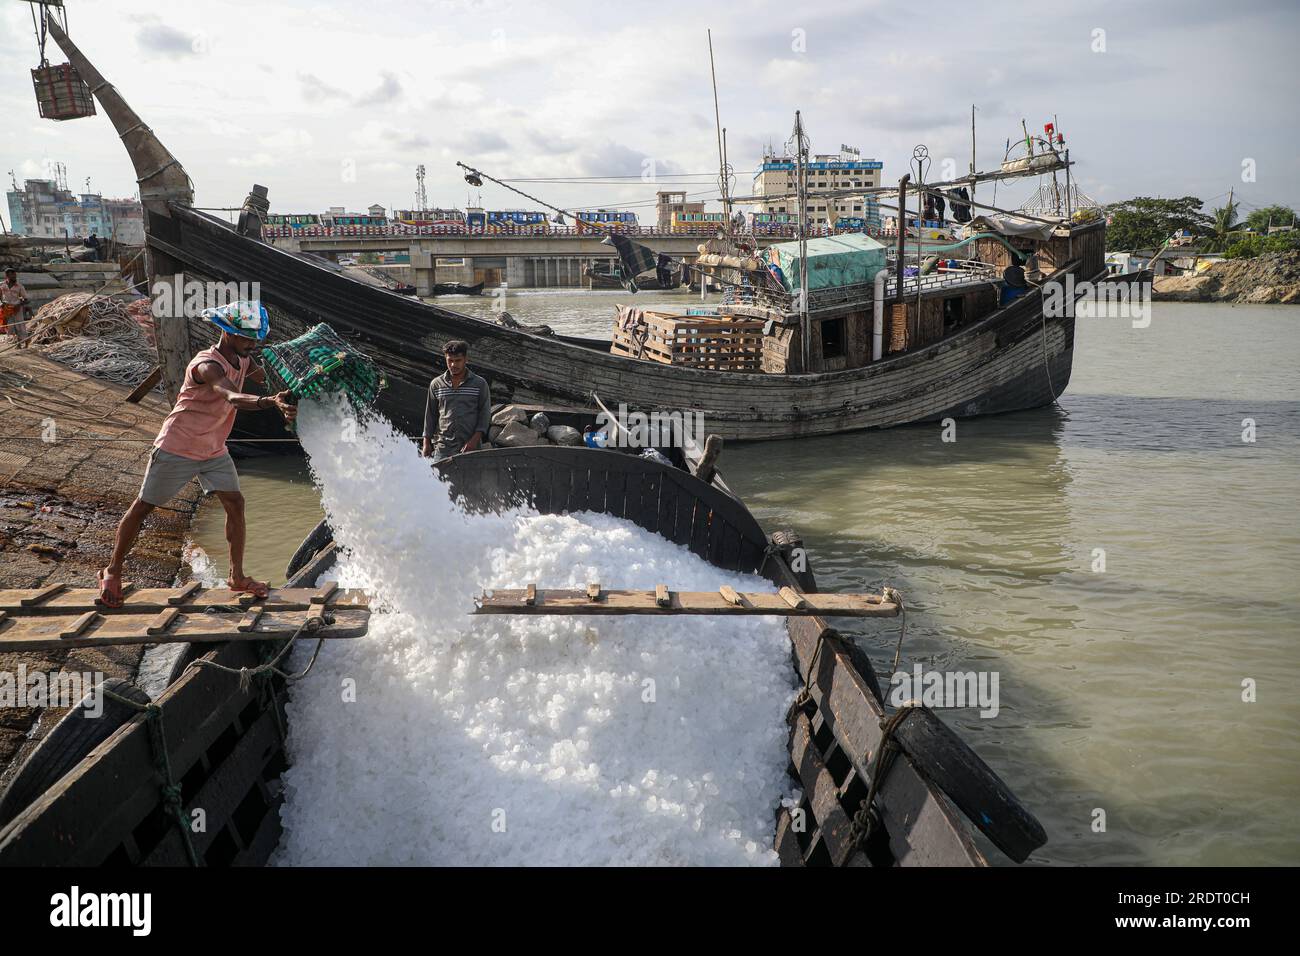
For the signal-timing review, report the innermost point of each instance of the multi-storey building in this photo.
(42, 209)
(668, 203)
(826, 173)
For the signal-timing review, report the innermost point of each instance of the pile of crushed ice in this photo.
(441, 738)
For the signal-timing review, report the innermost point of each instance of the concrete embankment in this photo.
(1270, 278)
(60, 502)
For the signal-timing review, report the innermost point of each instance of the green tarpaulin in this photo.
(833, 261)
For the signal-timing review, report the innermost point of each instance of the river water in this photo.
(1125, 562)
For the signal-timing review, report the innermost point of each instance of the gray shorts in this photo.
(167, 474)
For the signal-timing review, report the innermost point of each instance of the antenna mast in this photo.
(421, 197)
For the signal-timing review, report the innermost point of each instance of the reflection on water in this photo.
(1121, 690)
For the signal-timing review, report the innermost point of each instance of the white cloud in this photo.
(551, 90)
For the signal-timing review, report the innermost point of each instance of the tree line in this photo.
(1147, 223)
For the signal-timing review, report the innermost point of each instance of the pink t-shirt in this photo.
(199, 425)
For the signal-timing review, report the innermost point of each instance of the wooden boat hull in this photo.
(108, 808)
(1013, 359)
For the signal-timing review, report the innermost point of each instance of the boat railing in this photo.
(954, 274)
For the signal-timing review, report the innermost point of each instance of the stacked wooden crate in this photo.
(720, 344)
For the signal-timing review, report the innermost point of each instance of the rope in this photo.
(171, 790)
(892, 594)
(263, 670)
(867, 817)
(108, 340)
(803, 701)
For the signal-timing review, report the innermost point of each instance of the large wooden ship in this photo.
(954, 348)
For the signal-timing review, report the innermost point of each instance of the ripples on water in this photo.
(1119, 690)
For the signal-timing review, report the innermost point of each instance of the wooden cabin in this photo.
(759, 329)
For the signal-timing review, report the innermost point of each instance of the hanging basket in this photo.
(61, 94)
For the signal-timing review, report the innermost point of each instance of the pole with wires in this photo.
(801, 185)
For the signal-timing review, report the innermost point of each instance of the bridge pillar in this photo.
(422, 270)
(516, 272)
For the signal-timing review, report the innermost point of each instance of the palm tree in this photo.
(1225, 224)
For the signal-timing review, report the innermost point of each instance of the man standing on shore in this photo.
(13, 303)
(192, 442)
(458, 411)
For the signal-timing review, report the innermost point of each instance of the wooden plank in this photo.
(144, 600)
(578, 484)
(148, 385)
(325, 592)
(184, 592)
(163, 621)
(561, 482)
(541, 485)
(41, 594)
(822, 792)
(77, 626)
(44, 632)
(729, 594)
(717, 535)
(751, 556)
(221, 794)
(597, 479)
(249, 621)
(792, 598)
(666, 520)
(730, 557)
(786, 843)
(616, 493)
(535, 600)
(699, 544)
(683, 522)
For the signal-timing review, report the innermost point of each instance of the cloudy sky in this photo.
(335, 103)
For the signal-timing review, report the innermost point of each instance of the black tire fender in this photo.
(75, 735)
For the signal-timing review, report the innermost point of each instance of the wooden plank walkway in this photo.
(787, 603)
(56, 617)
(58, 599)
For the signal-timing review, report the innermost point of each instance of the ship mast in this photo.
(723, 184)
(801, 186)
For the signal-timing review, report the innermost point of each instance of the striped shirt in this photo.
(453, 413)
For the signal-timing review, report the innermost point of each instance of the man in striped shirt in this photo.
(458, 411)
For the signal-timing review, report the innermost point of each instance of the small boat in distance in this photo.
(457, 288)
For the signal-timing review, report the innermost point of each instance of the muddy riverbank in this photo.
(72, 455)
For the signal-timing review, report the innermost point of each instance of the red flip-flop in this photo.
(110, 597)
(247, 585)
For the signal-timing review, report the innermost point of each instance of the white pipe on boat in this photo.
(878, 320)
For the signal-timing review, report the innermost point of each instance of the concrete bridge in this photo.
(522, 261)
